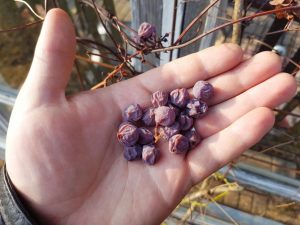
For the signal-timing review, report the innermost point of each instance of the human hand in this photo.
(63, 155)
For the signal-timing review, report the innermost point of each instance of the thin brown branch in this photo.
(21, 27)
(104, 26)
(225, 25)
(105, 65)
(285, 30)
(277, 146)
(287, 112)
(194, 21)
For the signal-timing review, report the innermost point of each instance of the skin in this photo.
(63, 155)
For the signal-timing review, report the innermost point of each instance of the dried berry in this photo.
(203, 90)
(133, 113)
(176, 110)
(159, 98)
(179, 97)
(145, 136)
(196, 108)
(168, 132)
(185, 121)
(164, 116)
(128, 134)
(150, 154)
(178, 144)
(193, 137)
(146, 31)
(133, 152)
(149, 117)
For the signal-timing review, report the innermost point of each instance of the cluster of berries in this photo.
(171, 117)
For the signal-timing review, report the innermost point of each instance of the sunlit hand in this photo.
(63, 155)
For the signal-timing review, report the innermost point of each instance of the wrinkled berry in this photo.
(128, 134)
(145, 136)
(149, 117)
(133, 113)
(193, 137)
(133, 152)
(168, 132)
(178, 144)
(164, 116)
(179, 97)
(159, 98)
(146, 30)
(196, 108)
(150, 154)
(203, 90)
(185, 122)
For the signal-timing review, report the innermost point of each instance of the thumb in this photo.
(53, 59)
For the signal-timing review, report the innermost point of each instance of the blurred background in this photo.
(260, 187)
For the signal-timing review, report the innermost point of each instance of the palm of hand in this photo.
(74, 171)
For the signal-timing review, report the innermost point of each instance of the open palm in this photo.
(63, 155)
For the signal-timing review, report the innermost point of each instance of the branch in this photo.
(225, 25)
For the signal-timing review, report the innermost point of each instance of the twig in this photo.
(224, 25)
(21, 27)
(105, 65)
(29, 7)
(278, 145)
(236, 28)
(287, 112)
(285, 30)
(194, 21)
(103, 24)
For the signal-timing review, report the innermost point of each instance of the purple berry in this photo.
(146, 31)
(149, 117)
(193, 137)
(133, 113)
(145, 136)
(150, 154)
(168, 132)
(196, 108)
(185, 122)
(164, 116)
(176, 110)
(179, 97)
(159, 98)
(203, 90)
(128, 134)
(178, 144)
(133, 152)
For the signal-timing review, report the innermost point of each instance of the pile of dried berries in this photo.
(171, 118)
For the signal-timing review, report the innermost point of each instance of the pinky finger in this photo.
(222, 147)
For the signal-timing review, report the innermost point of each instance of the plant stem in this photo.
(225, 25)
(194, 21)
(237, 13)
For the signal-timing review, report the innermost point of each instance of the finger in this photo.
(183, 72)
(53, 58)
(270, 93)
(246, 75)
(220, 148)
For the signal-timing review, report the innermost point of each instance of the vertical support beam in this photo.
(178, 26)
(211, 22)
(192, 10)
(151, 12)
(168, 25)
